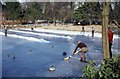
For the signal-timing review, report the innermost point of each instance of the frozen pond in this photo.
(27, 53)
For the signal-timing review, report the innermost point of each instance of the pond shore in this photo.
(78, 28)
(68, 27)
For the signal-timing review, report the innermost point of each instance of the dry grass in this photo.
(70, 27)
(88, 28)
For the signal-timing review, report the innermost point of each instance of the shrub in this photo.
(109, 69)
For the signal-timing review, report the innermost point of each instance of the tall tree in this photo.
(116, 11)
(33, 11)
(66, 11)
(111, 12)
(89, 10)
(58, 10)
(105, 43)
(13, 10)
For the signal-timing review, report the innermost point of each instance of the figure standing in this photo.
(6, 29)
(110, 37)
(93, 30)
(83, 29)
(32, 28)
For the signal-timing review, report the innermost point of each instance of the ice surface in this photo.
(35, 51)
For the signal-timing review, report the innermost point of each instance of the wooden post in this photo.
(105, 42)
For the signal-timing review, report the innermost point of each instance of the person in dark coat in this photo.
(83, 29)
(93, 30)
(6, 29)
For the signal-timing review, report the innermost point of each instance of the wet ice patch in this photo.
(26, 38)
(116, 51)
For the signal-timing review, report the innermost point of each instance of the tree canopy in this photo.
(59, 10)
(88, 10)
(13, 10)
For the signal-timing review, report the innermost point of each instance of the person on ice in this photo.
(32, 28)
(83, 29)
(110, 37)
(83, 48)
(6, 31)
(93, 30)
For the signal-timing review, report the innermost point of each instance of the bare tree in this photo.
(58, 10)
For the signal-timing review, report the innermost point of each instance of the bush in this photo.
(109, 69)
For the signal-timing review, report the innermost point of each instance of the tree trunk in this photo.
(64, 21)
(54, 21)
(105, 42)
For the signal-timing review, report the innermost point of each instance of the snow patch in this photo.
(43, 34)
(55, 31)
(71, 32)
(26, 38)
(67, 32)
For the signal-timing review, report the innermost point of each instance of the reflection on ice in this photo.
(26, 38)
